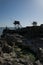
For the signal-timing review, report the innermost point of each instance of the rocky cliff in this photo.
(16, 49)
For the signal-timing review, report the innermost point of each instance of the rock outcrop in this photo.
(16, 49)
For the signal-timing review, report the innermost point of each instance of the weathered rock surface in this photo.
(16, 50)
(38, 63)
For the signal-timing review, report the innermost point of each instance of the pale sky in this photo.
(25, 11)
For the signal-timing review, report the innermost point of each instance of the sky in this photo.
(25, 11)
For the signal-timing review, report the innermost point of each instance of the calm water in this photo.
(2, 28)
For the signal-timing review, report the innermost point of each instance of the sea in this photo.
(2, 28)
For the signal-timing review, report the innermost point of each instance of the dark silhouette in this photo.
(34, 23)
(17, 24)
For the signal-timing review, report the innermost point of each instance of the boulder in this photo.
(38, 63)
(7, 49)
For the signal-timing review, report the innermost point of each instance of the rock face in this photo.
(15, 49)
(11, 54)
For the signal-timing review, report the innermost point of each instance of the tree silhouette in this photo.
(34, 23)
(17, 24)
